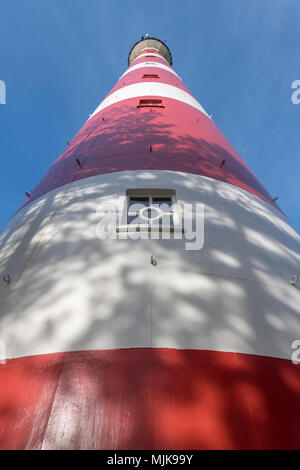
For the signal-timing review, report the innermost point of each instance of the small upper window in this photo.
(150, 102)
(150, 75)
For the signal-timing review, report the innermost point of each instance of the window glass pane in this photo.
(138, 203)
(166, 220)
(136, 220)
(164, 203)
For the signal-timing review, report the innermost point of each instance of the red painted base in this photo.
(149, 399)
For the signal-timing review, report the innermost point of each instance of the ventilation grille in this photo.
(150, 75)
(150, 102)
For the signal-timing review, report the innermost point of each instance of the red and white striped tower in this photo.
(108, 349)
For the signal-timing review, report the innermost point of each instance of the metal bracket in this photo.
(7, 279)
(293, 281)
(153, 261)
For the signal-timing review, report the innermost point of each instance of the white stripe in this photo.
(149, 49)
(150, 54)
(148, 64)
(79, 292)
(150, 89)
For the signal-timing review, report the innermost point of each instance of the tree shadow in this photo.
(119, 137)
(163, 389)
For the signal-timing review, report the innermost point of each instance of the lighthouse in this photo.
(150, 293)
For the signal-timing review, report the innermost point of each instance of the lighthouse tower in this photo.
(123, 328)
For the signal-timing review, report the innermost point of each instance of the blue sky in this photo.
(59, 58)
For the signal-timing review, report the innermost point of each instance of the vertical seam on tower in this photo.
(251, 420)
(64, 356)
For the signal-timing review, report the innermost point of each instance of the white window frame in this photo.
(150, 193)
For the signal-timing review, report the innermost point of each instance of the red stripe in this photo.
(159, 60)
(118, 138)
(136, 76)
(149, 399)
(149, 51)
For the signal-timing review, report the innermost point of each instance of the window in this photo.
(150, 75)
(151, 208)
(150, 102)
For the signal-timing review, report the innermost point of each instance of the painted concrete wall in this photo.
(72, 291)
